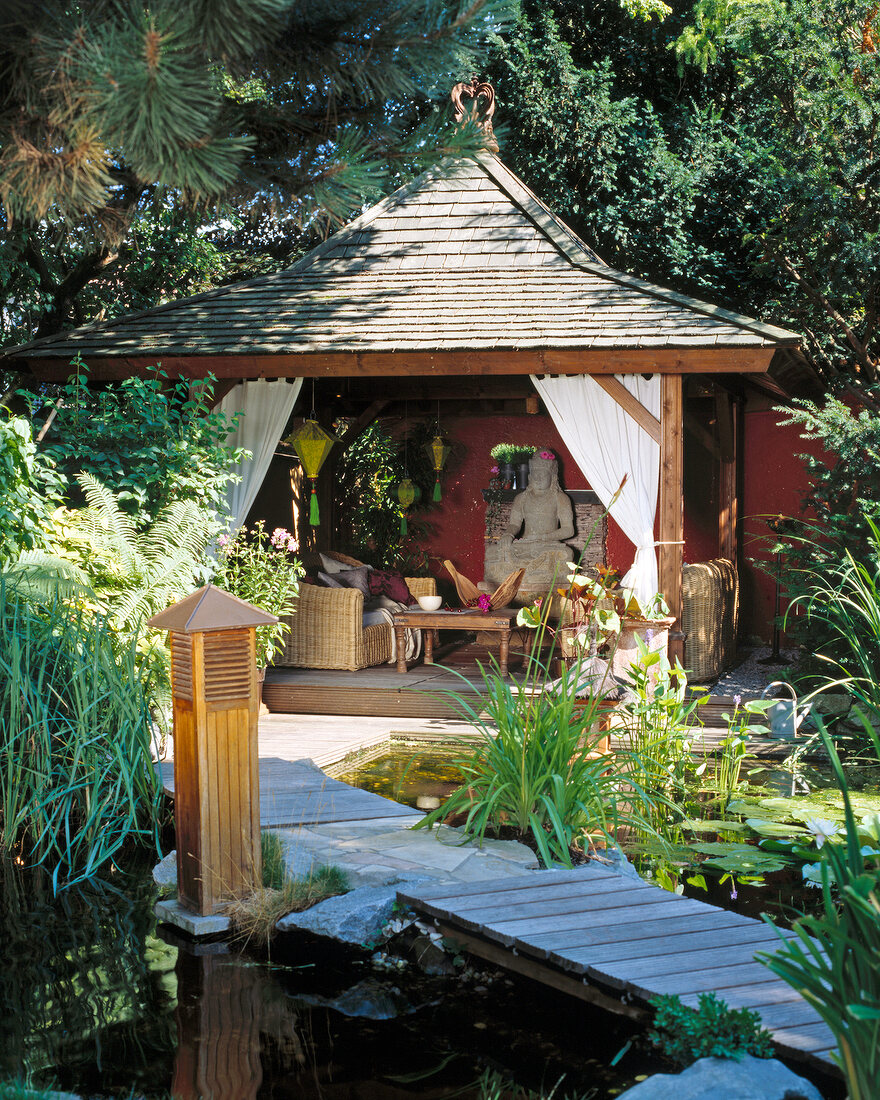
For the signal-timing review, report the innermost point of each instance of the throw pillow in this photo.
(388, 582)
(355, 578)
(328, 581)
(331, 565)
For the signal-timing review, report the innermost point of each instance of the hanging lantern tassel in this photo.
(407, 494)
(437, 452)
(312, 444)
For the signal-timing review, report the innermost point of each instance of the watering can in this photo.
(784, 718)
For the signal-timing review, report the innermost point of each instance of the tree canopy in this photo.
(121, 118)
(728, 149)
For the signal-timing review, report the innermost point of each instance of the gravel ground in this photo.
(750, 677)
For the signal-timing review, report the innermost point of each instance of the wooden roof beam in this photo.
(695, 360)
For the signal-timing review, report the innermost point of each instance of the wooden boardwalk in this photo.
(567, 928)
(297, 793)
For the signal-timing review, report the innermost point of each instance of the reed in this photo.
(76, 777)
(537, 768)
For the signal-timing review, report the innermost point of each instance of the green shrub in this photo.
(714, 1030)
(841, 605)
(834, 959)
(260, 568)
(76, 777)
(154, 441)
(28, 489)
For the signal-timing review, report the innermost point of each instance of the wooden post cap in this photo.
(209, 608)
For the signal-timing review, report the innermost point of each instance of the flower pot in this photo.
(506, 474)
(522, 475)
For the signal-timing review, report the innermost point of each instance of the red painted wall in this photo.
(460, 519)
(774, 482)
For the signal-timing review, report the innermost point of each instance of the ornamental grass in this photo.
(77, 784)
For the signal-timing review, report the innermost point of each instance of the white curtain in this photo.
(266, 406)
(607, 443)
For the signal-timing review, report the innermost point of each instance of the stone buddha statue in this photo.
(545, 516)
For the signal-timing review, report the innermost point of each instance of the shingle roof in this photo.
(464, 257)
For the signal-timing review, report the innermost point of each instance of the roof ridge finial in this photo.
(474, 90)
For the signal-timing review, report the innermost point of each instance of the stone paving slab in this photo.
(374, 857)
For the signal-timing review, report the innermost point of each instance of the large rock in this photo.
(724, 1079)
(358, 917)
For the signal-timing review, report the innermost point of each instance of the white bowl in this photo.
(429, 603)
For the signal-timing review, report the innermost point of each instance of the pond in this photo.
(95, 1000)
(725, 859)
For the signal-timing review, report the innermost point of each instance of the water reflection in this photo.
(87, 991)
(95, 1002)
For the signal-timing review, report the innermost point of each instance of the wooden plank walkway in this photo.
(629, 937)
(297, 793)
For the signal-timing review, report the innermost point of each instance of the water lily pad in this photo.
(750, 862)
(766, 827)
(713, 825)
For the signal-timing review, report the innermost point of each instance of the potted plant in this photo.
(261, 569)
(520, 459)
(503, 454)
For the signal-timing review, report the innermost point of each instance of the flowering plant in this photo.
(548, 456)
(484, 602)
(259, 567)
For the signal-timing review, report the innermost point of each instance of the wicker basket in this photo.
(709, 619)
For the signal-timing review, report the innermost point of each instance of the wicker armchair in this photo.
(327, 629)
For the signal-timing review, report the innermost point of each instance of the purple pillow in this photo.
(388, 582)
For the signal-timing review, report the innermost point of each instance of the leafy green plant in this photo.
(536, 768)
(834, 959)
(259, 568)
(153, 441)
(658, 718)
(735, 745)
(714, 1030)
(132, 571)
(28, 489)
(504, 452)
(841, 603)
(77, 783)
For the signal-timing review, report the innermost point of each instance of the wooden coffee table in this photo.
(428, 621)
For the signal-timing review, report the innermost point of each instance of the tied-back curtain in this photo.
(266, 407)
(607, 444)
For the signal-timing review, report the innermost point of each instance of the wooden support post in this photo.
(728, 414)
(671, 507)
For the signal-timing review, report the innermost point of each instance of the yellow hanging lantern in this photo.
(437, 452)
(407, 494)
(312, 444)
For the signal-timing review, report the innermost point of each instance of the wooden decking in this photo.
(567, 928)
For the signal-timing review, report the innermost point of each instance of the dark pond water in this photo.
(94, 1000)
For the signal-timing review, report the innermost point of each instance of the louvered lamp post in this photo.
(216, 779)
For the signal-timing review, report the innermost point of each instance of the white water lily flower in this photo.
(822, 829)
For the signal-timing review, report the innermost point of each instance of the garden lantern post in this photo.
(216, 778)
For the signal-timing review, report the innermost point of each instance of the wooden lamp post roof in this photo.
(208, 609)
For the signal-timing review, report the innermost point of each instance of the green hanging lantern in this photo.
(312, 444)
(437, 452)
(407, 494)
